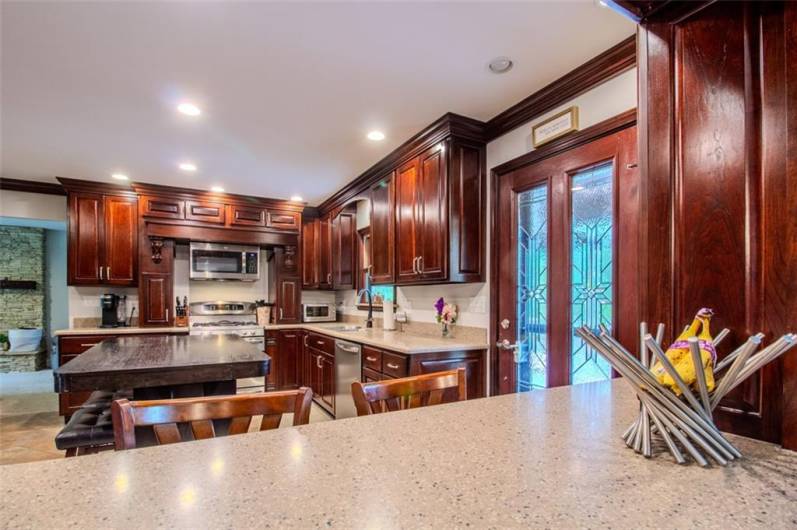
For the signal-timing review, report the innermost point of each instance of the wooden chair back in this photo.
(409, 392)
(165, 416)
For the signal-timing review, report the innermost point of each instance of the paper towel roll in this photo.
(388, 318)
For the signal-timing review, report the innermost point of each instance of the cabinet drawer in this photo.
(283, 220)
(208, 212)
(247, 216)
(372, 358)
(371, 376)
(321, 343)
(78, 344)
(394, 365)
(69, 402)
(163, 207)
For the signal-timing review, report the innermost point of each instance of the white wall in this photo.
(32, 206)
(84, 300)
(55, 270)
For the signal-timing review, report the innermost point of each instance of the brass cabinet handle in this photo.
(318, 362)
(370, 359)
(89, 345)
(320, 342)
(392, 366)
(100, 272)
(420, 264)
(167, 314)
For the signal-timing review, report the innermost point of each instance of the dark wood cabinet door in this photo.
(121, 240)
(205, 211)
(155, 299)
(162, 207)
(315, 372)
(289, 300)
(344, 252)
(86, 236)
(325, 253)
(383, 230)
(432, 216)
(327, 363)
(466, 215)
(407, 203)
(310, 268)
(246, 216)
(273, 351)
(289, 345)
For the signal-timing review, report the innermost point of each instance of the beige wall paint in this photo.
(25, 205)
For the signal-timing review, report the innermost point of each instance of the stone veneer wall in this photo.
(22, 258)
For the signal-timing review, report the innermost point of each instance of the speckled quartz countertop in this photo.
(549, 459)
(118, 331)
(392, 340)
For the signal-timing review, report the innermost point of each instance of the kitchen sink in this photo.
(346, 328)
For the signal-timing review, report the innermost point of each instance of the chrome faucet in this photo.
(369, 323)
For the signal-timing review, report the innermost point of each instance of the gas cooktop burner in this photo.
(224, 323)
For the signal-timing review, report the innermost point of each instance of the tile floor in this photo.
(29, 417)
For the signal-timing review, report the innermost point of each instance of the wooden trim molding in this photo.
(555, 147)
(32, 186)
(614, 61)
(226, 198)
(575, 139)
(449, 124)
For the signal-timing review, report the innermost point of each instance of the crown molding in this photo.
(611, 63)
(32, 186)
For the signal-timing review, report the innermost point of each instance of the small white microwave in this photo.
(214, 261)
(318, 312)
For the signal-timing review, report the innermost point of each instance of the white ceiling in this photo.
(288, 90)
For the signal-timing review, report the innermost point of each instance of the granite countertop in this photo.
(134, 330)
(390, 340)
(146, 360)
(549, 458)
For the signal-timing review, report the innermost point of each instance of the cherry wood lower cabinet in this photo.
(285, 349)
(380, 364)
(71, 346)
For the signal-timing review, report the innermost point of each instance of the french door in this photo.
(567, 259)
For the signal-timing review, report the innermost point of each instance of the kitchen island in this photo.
(549, 458)
(164, 366)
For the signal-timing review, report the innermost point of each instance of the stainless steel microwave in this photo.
(318, 312)
(213, 261)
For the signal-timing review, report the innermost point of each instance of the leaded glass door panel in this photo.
(561, 225)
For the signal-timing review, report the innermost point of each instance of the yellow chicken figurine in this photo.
(681, 358)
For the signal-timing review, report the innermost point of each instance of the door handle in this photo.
(393, 366)
(415, 265)
(167, 314)
(107, 273)
(371, 359)
(280, 313)
(347, 349)
(420, 264)
(318, 362)
(100, 272)
(506, 345)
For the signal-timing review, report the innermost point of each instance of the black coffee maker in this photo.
(110, 305)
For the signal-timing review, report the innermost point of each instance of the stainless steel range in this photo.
(229, 318)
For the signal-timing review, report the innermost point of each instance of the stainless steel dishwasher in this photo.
(347, 371)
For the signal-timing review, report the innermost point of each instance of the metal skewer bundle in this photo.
(685, 424)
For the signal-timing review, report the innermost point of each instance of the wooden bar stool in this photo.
(167, 415)
(409, 392)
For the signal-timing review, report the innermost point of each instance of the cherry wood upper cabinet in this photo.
(121, 235)
(383, 204)
(432, 237)
(85, 238)
(407, 204)
(439, 215)
(344, 250)
(205, 211)
(103, 239)
(162, 207)
(324, 260)
(310, 269)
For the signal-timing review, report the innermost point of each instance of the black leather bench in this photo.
(90, 429)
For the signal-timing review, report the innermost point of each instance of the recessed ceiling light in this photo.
(500, 65)
(376, 136)
(296, 198)
(119, 176)
(187, 166)
(189, 109)
(217, 189)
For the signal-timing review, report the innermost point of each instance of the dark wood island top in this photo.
(149, 361)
